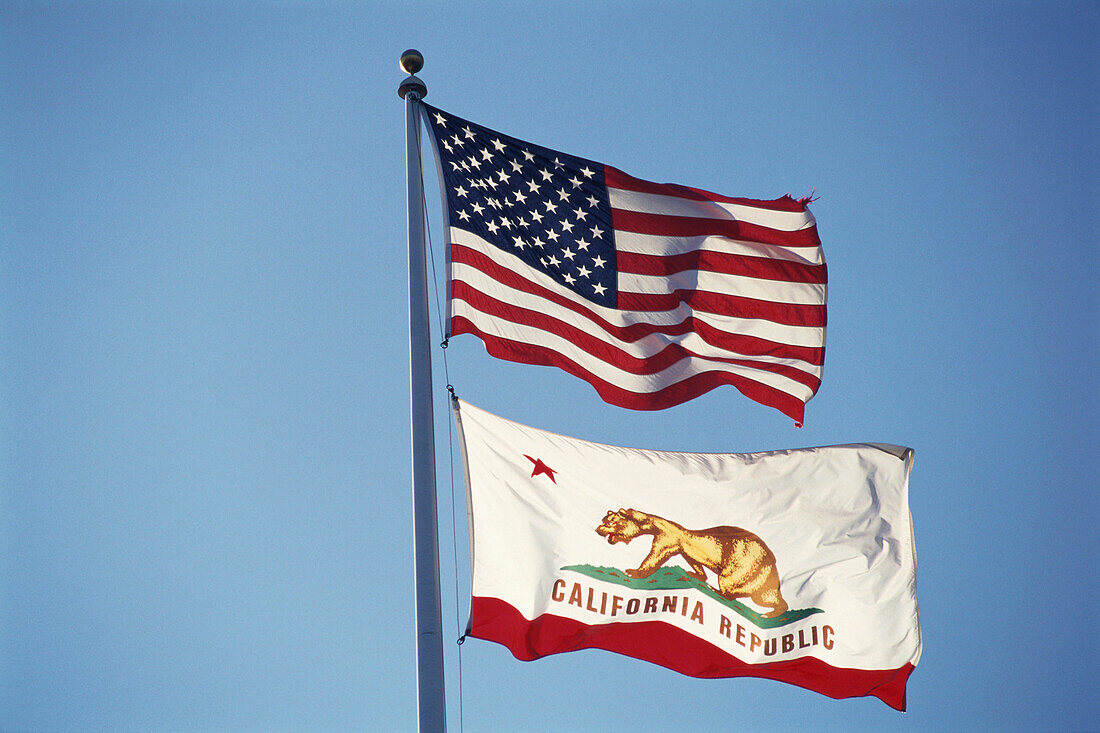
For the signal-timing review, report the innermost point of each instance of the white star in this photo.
(587, 173)
(537, 242)
(492, 226)
(568, 253)
(455, 166)
(439, 119)
(528, 156)
(485, 154)
(498, 145)
(582, 245)
(598, 262)
(546, 175)
(551, 206)
(575, 182)
(518, 242)
(562, 194)
(503, 176)
(522, 222)
(552, 235)
(457, 140)
(584, 271)
(558, 164)
(468, 132)
(566, 226)
(569, 278)
(599, 289)
(478, 208)
(505, 223)
(493, 202)
(463, 216)
(520, 198)
(516, 167)
(475, 162)
(536, 216)
(596, 232)
(534, 187)
(554, 261)
(491, 182)
(580, 214)
(465, 166)
(593, 201)
(447, 145)
(460, 191)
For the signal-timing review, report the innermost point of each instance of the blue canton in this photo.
(549, 209)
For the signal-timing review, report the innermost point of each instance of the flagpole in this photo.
(431, 707)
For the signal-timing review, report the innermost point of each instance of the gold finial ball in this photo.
(412, 61)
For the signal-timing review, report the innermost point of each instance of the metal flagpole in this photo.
(431, 707)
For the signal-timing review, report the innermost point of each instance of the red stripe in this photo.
(719, 304)
(731, 342)
(762, 268)
(654, 641)
(608, 352)
(734, 343)
(673, 394)
(615, 178)
(693, 226)
(723, 304)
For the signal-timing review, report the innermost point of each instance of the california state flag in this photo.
(792, 565)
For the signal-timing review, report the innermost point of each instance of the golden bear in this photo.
(743, 563)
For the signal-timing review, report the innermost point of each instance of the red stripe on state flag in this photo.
(660, 643)
(668, 396)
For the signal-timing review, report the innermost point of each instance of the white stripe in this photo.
(637, 383)
(809, 336)
(773, 291)
(652, 203)
(655, 244)
(642, 348)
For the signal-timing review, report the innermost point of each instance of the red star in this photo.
(541, 467)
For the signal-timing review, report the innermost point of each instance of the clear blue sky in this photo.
(205, 512)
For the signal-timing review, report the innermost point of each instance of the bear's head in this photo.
(619, 526)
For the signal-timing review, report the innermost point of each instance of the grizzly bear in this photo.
(743, 563)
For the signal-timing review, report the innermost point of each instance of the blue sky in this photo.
(205, 512)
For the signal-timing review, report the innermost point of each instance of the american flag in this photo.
(653, 293)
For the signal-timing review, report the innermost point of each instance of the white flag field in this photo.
(793, 565)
